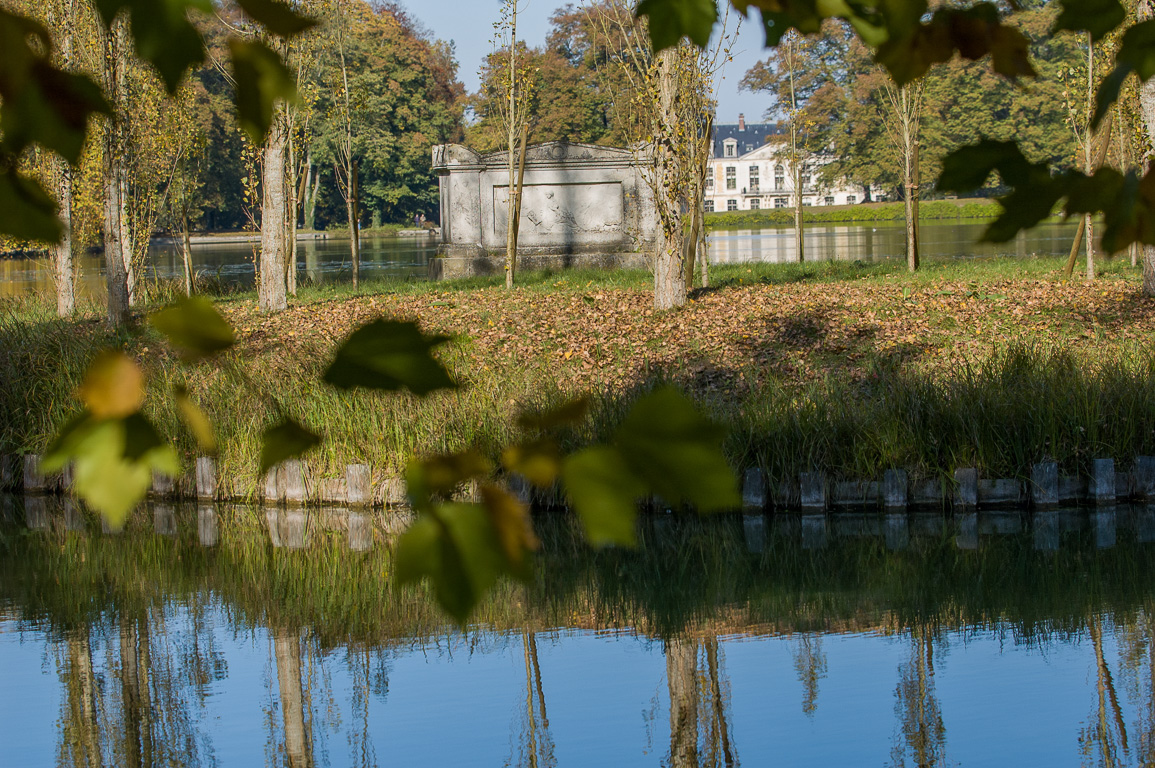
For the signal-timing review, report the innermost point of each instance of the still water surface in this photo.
(327, 261)
(243, 636)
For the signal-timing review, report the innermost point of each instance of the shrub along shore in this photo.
(843, 369)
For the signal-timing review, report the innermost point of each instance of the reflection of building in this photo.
(749, 170)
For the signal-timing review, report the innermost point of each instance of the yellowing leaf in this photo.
(194, 327)
(539, 462)
(511, 522)
(113, 387)
(196, 420)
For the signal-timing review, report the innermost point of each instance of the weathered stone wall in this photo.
(581, 204)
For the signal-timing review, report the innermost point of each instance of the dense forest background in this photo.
(188, 160)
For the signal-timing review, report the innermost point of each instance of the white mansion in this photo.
(749, 170)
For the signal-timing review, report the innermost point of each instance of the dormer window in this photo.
(730, 148)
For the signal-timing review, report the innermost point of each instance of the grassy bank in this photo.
(839, 214)
(848, 368)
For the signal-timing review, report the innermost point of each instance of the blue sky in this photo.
(469, 24)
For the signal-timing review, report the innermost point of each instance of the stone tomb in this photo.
(582, 205)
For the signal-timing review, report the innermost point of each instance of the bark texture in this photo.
(272, 293)
(1146, 11)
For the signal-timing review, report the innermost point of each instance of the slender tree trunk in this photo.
(511, 206)
(62, 251)
(1088, 153)
(912, 196)
(310, 206)
(511, 244)
(669, 279)
(271, 289)
(354, 219)
(114, 162)
(799, 242)
(291, 215)
(186, 253)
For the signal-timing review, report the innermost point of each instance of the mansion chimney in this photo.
(741, 122)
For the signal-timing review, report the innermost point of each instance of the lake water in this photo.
(327, 261)
(244, 636)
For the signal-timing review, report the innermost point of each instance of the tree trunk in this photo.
(115, 256)
(351, 211)
(271, 287)
(62, 251)
(291, 215)
(913, 256)
(288, 652)
(669, 280)
(799, 242)
(682, 679)
(511, 207)
(186, 253)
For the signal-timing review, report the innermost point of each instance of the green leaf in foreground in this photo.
(26, 211)
(113, 462)
(1136, 54)
(285, 441)
(262, 79)
(565, 415)
(678, 452)
(604, 493)
(389, 355)
(164, 34)
(1098, 17)
(457, 548)
(440, 475)
(194, 327)
(277, 17)
(671, 20)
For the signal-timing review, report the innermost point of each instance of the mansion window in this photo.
(731, 177)
(753, 178)
(779, 177)
(710, 180)
(829, 201)
(731, 205)
(780, 202)
(730, 149)
(851, 199)
(709, 206)
(805, 180)
(755, 203)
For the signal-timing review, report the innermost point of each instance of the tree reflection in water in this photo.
(137, 659)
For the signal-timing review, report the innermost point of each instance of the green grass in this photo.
(927, 210)
(1000, 412)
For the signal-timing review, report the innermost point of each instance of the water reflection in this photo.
(816, 639)
(327, 261)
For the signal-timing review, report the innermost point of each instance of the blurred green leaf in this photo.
(565, 415)
(195, 419)
(671, 20)
(1136, 54)
(1099, 17)
(277, 17)
(163, 33)
(442, 474)
(113, 462)
(286, 440)
(42, 104)
(973, 32)
(604, 494)
(457, 549)
(678, 452)
(389, 355)
(262, 79)
(113, 386)
(513, 528)
(538, 461)
(26, 211)
(194, 327)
